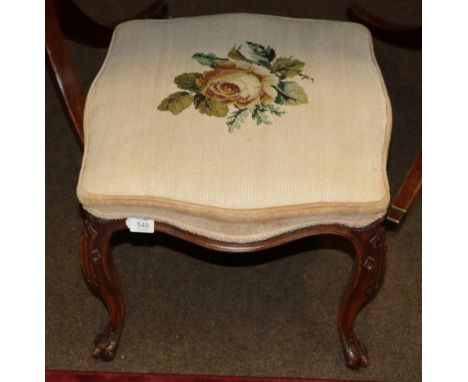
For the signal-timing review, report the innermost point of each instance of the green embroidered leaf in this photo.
(259, 116)
(290, 93)
(235, 54)
(261, 55)
(210, 106)
(306, 77)
(188, 81)
(236, 118)
(176, 102)
(274, 110)
(287, 67)
(207, 59)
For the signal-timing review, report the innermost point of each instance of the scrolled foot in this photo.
(355, 353)
(106, 344)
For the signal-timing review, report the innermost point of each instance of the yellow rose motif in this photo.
(246, 83)
(241, 83)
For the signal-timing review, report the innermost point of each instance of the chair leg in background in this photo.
(102, 279)
(366, 279)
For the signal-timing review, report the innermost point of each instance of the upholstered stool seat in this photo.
(238, 127)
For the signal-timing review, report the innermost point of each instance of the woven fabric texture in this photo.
(319, 162)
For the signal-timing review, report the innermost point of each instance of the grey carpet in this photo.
(193, 311)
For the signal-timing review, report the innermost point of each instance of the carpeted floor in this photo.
(197, 312)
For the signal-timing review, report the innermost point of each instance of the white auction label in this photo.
(140, 225)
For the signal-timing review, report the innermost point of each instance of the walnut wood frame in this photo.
(97, 265)
(369, 265)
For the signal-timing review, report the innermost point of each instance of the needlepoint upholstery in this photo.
(238, 127)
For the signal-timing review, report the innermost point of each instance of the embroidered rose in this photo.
(240, 83)
(253, 83)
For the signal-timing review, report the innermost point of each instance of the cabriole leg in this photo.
(102, 279)
(368, 270)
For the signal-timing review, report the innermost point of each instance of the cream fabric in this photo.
(322, 162)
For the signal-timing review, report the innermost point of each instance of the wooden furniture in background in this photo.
(63, 17)
(407, 193)
(409, 36)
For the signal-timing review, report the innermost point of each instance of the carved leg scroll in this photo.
(368, 270)
(102, 279)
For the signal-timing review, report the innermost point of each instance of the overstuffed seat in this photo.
(235, 132)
